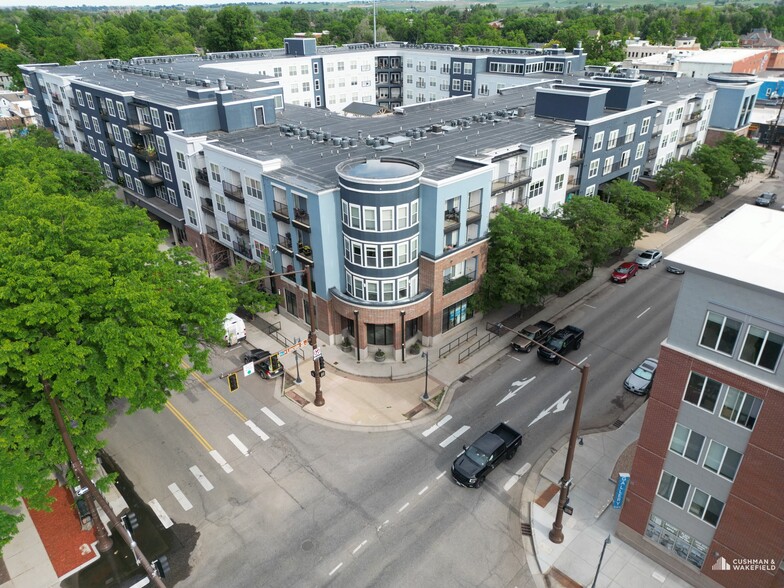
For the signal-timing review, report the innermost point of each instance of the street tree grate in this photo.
(617, 424)
(525, 529)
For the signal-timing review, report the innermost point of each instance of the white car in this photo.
(648, 258)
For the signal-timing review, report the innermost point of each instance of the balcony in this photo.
(152, 180)
(421, 68)
(280, 211)
(115, 162)
(72, 103)
(652, 154)
(687, 139)
(452, 284)
(301, 218)
(572, 184)
(212, 232)
(451, 219)
(656, 132)
(474, 213)
(693, 117)
(139, 127)
(518, 178)
(305, 254)
(207, 206)
(104, 114)
(233, 191)
(85, 147)
(577, 158)
(110, 139)
(68, 141)
(284, 243)
(242, 248)
(56, 98)
(202, 177)
(238, 223)
(145, 153)
(63, 120)
(78, 124)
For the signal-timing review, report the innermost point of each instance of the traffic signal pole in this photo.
(319, 401)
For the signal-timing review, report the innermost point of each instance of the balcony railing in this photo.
(85, 147)
(693, 117)
(233, 191)
(652, 154)
(474, 213)
(656, 132)
(452, 284)
(518, 178)
(285, 243)
(68, 141)
(152, 179)
(212, 232)
(139, 127)
(577, 158)
(302, 218)
(202, 177)
(572, 184)
(239, 223)
(687, 139)
(56, 98)
(451, 219)
(63, 120)
(78, 124)
(145, 153)
(243, 249)
(104, 114)
(305, 253)
(280, 210)
(207, 206)
(72, 103)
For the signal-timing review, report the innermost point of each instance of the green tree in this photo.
(684, 183)
(529, 257)
(718, 165)
(234, 28)
(597, 227)
(246, 281)
(89, 304)
(745, 152)
(640, 208)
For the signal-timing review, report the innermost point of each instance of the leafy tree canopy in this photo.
(640, 208)
(718, 165)
(745, 152)
(89, 303)
(597, 226)
(685, 184)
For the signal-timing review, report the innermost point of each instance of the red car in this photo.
(624, 271)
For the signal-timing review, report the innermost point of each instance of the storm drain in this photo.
(617, 424)
(464, 379)
(307, 545)
(525, 529)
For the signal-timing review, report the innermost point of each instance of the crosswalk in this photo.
(206, 484)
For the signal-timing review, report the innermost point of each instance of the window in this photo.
(598, 139)
(625, 158)
(388, 292)
(630, 133)
(355, 221)
(740, 408)
(303, 69)
(356, 253)
(139, 186)
(722, 460)
(253, 187)
(277, 72)
(381, 334)
(414, 249)
(134, 161)
(369, 215)
(686, 442)
(129, 181)
(640, 151)
(402, 253)
(536, 189)
(468, 68)
(706, 507)
(295, 88)
(563, 153)
(306, 86)
(220, 202)
(318, 101)
(414, 207)
(90, 102)
(679, 113)
(388, 256)
(166, 171)
(155, 116)
(593, 168)
(341, 66)
(117, 134)
(79, 96)
(456, 67)
(590, 190)
(258, 220)
(371, 289)
(123, 157)
(402, 288)
(110, 107)
(608, 164)
(387, 219)
(186, 190)
(91, 141)
(121, 110)
(102, 148)
(559, 181)
(96, 125)
(670, 114)
(181, 161)
(170, 126)
(127, 137)
(646, 123)
(720, 333)
(224, 230)
(635, 174)
(107, 170)
(762, 348)
(172, 195)
(702, 391)
(86, 121)
(612, 139)
(539, 159)
(262, 252)
(161, 145)
(192, 219)
(672, 489)
(402, 216)
(371, 256)
(456, 85)
(467, 85)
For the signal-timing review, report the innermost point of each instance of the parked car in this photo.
(765, 199)
(674, 269)
(623, 272)
(483, 455)
(641, 378)
(267, 365)
(648, 258)
(568, 338)
(538, 332)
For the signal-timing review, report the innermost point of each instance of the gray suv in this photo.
(765, 199)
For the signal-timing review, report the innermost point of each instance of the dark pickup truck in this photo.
(538, 332)
(481, 457)
(562, 342)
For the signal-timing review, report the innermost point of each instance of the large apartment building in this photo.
(703, 497)
(391, 212)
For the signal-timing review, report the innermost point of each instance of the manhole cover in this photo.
(307, 545)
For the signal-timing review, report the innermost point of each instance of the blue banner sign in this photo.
(620, 490)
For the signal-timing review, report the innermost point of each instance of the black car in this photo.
(674, 269)
(765, 199)
(267, 365)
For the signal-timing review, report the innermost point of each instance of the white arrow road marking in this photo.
(454, 435)
(205, 483)
(518, 474)
(184, 502)
(252, 426)
(221, 462)
(520, 386)
(439, 424)
(162, 516)
(556, 406)
(275, 418)
(239, 445)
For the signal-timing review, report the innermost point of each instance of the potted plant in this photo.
(415, 348)
(346, 344)
(380, 355)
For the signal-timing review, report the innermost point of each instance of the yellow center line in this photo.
(189, 426)
(217, 395)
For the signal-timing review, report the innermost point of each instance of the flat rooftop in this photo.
(746, 246)
(723, 55)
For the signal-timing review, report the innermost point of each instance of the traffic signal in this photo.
(161, 565)
(321, 362)
(233, 382)
(130, 522)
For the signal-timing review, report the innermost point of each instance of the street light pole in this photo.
(601, 557)
(296, 359)
(85, 481)
(427, 365)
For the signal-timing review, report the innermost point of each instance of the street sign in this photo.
(316, 353)
(297, 345)
(620, 490)
(248, 369)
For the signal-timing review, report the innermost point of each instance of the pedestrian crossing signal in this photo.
(233, 382)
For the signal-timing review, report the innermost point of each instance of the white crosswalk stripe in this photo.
(239, 445)
(252, 426)
(454, 436)
(161, 514)
(275, 418)
(221, 462)
(205, 483)
(435, 427)
(184, 502)
(517, 475)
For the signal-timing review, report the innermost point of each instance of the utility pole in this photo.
(772, 137)
(86, 482)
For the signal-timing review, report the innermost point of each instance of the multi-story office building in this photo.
(391, 213)
(703, 497)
